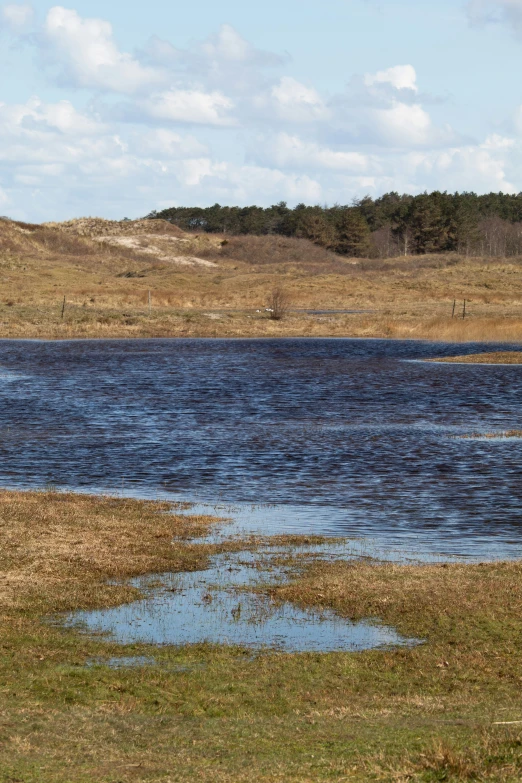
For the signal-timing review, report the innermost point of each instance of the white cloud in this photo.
(508, 12)
(481, 168)
(290, 151)
(165, 144)
(189, 106)
(402, 77)
(385, 109)
(223, 61)
(228, 45)
(243, 184)
(279, 138)
(17, 17)
(37, 117)
(88, 56)
(404, 125)
(290, 101)
(239, 184)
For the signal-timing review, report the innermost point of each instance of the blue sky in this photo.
(114, 109)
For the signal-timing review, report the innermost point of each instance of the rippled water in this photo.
(340, 437)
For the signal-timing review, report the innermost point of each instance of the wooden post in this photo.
(464, 309)
(150, 305)
(453, 311)
(63, 307)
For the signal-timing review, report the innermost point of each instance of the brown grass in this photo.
(59, 550)
(277, 251)
(106, 286)
(445, 710)
(495, 357)
(494, 435)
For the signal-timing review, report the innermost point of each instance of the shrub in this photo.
(278, 304)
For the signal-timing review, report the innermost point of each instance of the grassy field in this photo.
(217, 286)
(449, 709)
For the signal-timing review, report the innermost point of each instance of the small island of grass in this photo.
(494, 357)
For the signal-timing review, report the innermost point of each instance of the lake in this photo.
(332, 436)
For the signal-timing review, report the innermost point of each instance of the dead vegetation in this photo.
(279, 303)
(99, 227)
(494, 357)
(106, 269)
(491, 435)
(59, 550)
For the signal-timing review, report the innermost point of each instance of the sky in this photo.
(114, 109)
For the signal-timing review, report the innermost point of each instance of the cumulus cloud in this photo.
(17, 17)
(402, 77)
(290, 101)
(189, 106)
(227, 45)
(87, 55)
(125, 149)
(165, 144)
(290, 151)
(386, 109)
(224, 60)
(508, 12)
(49, 134)
(35, 116)
(404, 125)
(244, 183)
(480, 168)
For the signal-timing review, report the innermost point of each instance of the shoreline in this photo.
(276, 337)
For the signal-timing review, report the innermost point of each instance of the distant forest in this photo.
(389, 226)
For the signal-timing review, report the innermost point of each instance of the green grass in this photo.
(206, 713)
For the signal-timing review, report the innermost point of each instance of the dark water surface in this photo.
(342, 437)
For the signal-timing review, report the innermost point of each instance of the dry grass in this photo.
(106, 286)
(493, 435)
(495, 357)
(467, 673)
(441, 711)
(289, 253)
(58, 551)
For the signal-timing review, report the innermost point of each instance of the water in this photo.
(212, 606)
(332, 436)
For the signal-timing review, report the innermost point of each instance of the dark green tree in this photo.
(353, 234)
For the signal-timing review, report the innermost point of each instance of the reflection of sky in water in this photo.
(337, 437)
(206, 606)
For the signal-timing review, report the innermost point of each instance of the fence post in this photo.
(63, 307)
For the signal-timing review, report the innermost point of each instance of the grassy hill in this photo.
(216, 285)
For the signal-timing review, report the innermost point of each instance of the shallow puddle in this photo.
(213, 606)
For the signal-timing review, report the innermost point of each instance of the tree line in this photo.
(388, 226)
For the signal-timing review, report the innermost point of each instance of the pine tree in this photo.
(353, 234)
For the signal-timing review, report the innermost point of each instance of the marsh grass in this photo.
(493, 357)
(491, 435)
(221, 713)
